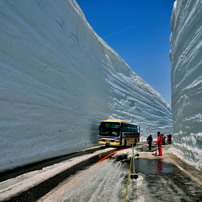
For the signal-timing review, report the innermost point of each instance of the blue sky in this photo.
(139, 31)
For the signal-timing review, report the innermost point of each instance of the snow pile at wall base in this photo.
(58, 79)
(186, 51)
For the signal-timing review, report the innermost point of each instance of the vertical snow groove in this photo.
(58, 79)
(186, 51)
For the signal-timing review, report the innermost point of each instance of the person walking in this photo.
(149, 141)
(169, 139)
(159, 142)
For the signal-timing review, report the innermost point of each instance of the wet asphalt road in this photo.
(163, 181)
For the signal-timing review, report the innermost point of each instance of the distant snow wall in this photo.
(58, 79)
(186, 60)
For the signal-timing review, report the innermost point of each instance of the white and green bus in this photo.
(115, 132)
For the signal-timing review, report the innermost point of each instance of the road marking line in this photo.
(187, 173)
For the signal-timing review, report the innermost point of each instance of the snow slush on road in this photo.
(110, 180)
(104, 181)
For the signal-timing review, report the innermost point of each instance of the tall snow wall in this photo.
(58, 79)
(186, 52)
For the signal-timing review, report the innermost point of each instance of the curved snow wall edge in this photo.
(186, 51)
(58, 79)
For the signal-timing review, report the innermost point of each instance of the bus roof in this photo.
(118, 121)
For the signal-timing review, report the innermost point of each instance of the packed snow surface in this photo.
(58, 80)
(186, 52)
(26, 181)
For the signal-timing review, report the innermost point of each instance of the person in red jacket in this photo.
(159, 142)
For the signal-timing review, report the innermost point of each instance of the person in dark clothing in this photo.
(169, 139)
(163, 139)
(149, 140)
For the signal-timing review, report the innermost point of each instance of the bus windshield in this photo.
(109, 129)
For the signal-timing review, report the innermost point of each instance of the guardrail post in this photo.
(133, 175)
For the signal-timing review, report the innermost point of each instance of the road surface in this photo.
(163, 178)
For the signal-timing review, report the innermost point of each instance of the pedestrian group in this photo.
(159, 142)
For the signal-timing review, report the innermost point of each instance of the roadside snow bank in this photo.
(186, 76)
(58, 80)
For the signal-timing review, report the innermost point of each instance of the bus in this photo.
(115, 132)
